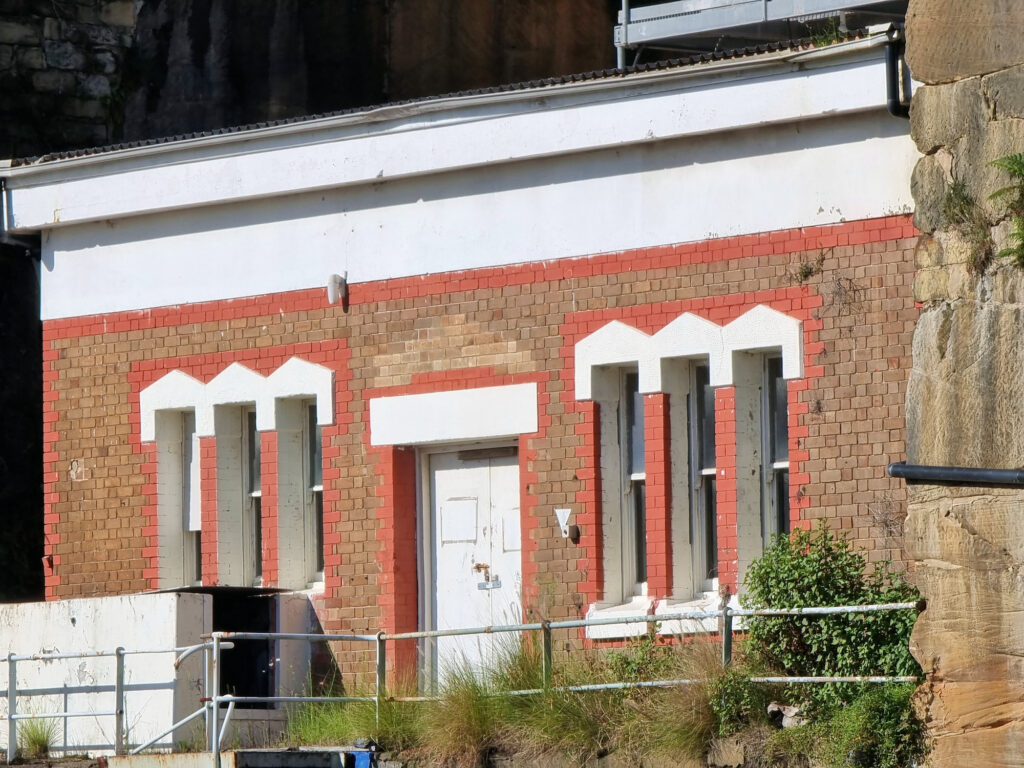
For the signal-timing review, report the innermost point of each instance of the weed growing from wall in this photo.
(1013, 197)
(962, 213)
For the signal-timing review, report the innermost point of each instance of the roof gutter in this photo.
(30, 244)
(704, 70)
(939, 475)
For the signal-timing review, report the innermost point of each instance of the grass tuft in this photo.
(37, 737)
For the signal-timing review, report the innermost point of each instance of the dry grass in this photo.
(472, 719)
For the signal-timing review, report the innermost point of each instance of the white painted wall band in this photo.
(464, 414)
(689, 336)
(235, 385)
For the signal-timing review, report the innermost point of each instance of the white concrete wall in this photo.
(156, 696)
(762, 143)
(776, 177)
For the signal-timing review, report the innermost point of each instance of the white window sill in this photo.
(638, 606)
(709, 602)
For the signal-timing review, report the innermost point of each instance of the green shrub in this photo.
(878, 730)
(821, 569)
(736, 702)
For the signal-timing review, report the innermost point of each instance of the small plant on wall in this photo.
(964, 215)
(1013, 196)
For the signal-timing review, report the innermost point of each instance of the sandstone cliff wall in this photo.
(77, 73)
(967, 384)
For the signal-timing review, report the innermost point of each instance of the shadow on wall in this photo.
(207, 64)
(21, 386)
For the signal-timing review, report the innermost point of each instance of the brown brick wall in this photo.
(850, 284)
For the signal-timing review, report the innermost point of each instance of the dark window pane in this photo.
(782, 501)
(197, 563)
(705, 417)
(254, 452)
(778, 408)
(316, 461)
(640, 529)
(635, 423)
(710, 526)
(318, 530)
(257, 530)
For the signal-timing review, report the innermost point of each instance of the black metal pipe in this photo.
(921, 473)
(896, 107)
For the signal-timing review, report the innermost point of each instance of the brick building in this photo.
(575, 347)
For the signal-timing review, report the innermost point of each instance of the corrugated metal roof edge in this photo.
(599, 74)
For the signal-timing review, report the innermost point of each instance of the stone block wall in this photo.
(82, 73)
(967, 383)
(61, 70)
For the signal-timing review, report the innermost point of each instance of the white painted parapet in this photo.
(156, 695)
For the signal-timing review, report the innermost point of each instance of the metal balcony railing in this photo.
(697, 25)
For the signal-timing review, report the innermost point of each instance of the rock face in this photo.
(967, 383)
(949, 40)
(77, 73)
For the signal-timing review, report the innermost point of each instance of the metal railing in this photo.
(213, 701)
(726, 615)
(14, 695)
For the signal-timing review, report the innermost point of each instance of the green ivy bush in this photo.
(821, 569)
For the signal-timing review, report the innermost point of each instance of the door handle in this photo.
(488, 582)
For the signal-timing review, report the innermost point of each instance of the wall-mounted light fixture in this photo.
(337, 288)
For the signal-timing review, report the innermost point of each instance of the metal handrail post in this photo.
(119, 702)
(382, 673)
(213, 736)
(620, 51)
(545, 640)
(726, 635)
(12, 709)
(207, 689)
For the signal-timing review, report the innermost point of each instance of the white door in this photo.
(475, 552)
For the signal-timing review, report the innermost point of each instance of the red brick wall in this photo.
(483, 328)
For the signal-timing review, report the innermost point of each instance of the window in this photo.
(634, 509)
(314, 496)
(178, 499)
(751, 358)
(703, 517)
(191, 513)
(775, 438)
(623, 485)
(252, 521)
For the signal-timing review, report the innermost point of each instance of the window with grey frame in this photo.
(253, 509)
(314, 494)
(703, 515)
(775, 450)
(192, 541)
(634, 480)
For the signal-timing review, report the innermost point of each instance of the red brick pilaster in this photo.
(657, 459)
(725, 487)
(208, 475)
(588, 453)
(332, 506)
(150, 527)
(398, 557)
(268, 507)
